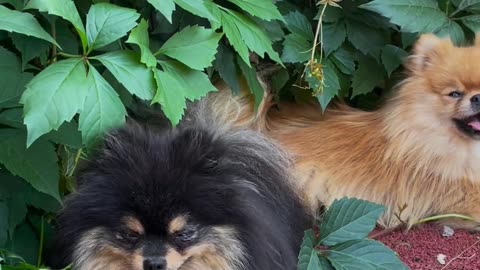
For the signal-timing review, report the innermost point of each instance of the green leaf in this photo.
(408, 39)
(175, 84)
(125, 96)
(216, 11)
(196, 7)
(29, 47)
(296, 49)
(55, 95)
(166, 7)
(279, 80)
(17, 4)
(107, 23)
(364, 255)
(37, 164)
(472, 22)
(42, 201)
(193, 84)
(344, 61)
(345, 84)
(13, 79)
(67, 134)
(366, 39)
(17, 210)
(297, 23)
(171, 98)
(392, 57)
(62, 8)
(273, 29)
(127, 69)
(368, 75)
(332, 14)
(325, 264)
(12, 117)
(453, 31)
(139, 36)
(348, 219)
(308, 258)
(314, 263)
(412, 16)
(465, 5)
(227, 69)
(244, 34)
(330, 87)
(3, 223)
(66, 38)
(15, 187)
(11, 258)
(372, 19)
(103, 109)
(194, 46)
(25, 242)
(23, 23)
(253, 84)
(334, 35)
(9, 62)
(264, 9)
(12, 88)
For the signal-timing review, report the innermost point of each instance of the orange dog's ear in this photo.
(428, 48)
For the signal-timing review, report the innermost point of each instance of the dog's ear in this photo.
(428, 48)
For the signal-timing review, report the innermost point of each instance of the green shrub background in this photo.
(70, 70)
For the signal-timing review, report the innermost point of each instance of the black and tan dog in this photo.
(201, 196)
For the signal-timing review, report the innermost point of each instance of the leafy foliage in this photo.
(375, 35)
(343, 229)
(72, 69)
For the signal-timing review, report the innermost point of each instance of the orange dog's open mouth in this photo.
(469, 125)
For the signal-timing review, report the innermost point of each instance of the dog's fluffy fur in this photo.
(421, 150)
(202, 196)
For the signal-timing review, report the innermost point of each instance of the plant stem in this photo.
(54, 48)
(40, 245)
(434, 218)
(77, 158)
(67, 55)
(321, 32)
(382, 232)
(458, 256)
(447, 7)
(317, 33)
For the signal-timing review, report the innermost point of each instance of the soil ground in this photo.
(420, 246)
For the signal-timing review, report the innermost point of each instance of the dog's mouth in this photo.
(469, 125)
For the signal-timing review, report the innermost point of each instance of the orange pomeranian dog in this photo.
(419, 155)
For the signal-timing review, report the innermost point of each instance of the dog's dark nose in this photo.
(475, 100)
(154, 263)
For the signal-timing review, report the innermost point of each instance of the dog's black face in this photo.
(184, 199)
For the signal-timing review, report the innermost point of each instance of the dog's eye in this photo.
(130, 236)
(185, 236)
(455, 94)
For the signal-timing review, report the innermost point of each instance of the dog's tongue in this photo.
(475, 124)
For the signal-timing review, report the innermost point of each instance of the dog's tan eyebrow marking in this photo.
(133, 224)
(177, 224)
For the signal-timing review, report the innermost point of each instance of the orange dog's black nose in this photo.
(475, 102)
(154, 263)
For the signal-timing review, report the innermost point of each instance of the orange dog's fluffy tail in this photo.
(238, 109)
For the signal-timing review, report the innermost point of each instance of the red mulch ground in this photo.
(419, 247)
